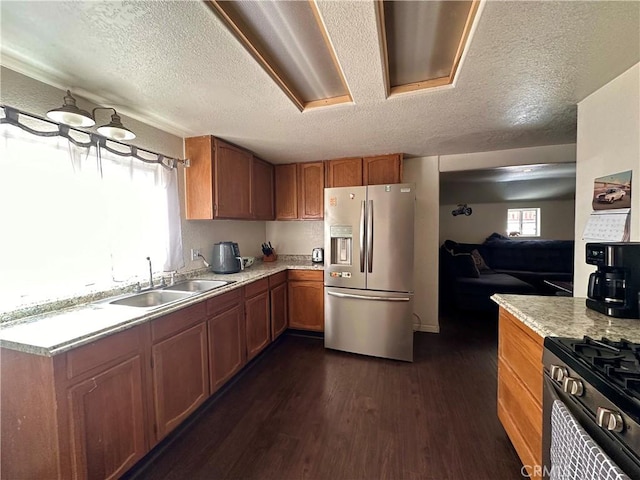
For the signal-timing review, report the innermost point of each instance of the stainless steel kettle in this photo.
(226, 258)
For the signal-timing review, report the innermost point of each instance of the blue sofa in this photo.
(510, 266)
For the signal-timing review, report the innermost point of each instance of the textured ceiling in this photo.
(174, 65)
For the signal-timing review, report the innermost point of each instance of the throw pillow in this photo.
(481, 265)
(464, 266)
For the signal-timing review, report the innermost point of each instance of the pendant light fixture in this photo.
(70, 114)
(114, 129)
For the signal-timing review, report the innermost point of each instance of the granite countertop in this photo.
(59, 331)
(567, 317)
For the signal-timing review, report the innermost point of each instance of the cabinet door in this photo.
(199, 178)
(180, 377)
(262, 195)
(286, 184)
(106, 420)
(258, 326)
(382, 169)
(278, 310)
(226, 345)
(344, 172)
(306, 305)
(232, 181)
(311, 191)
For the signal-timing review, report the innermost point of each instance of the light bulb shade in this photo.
(70, 114)
(115, 130)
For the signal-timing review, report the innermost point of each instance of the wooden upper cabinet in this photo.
(219, 180)
(382, 169)
(344, 172)
(286, 191)
(311, 191)
(233, 181)
(199, 181)
(262, 183)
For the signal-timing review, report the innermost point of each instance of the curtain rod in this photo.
(12, 118)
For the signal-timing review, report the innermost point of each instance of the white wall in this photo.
(608, 142)
(424, 173)
(35, 97)
(295, 237)
(556, 220)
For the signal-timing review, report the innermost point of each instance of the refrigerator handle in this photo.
(362, 235)
(370, 236)
(368, 297)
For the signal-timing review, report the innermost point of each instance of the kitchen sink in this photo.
(153, 298)
(197, 285)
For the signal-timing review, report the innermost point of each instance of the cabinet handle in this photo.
(95, 385)
(369, 297)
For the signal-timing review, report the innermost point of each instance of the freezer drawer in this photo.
(379, 324)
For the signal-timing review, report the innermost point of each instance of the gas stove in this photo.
(612, 367)
(599, 382)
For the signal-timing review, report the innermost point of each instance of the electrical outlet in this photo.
(194, 254)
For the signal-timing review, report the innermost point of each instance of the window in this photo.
(523, 222)
(76, 220)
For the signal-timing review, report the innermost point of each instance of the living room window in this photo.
(523, 222)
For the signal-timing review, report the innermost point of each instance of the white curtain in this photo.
(77, 219)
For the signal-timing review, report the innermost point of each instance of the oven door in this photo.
(574, 446)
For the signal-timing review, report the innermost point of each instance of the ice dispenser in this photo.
(341, 244)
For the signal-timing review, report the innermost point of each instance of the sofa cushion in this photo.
(481, 265)
(464, 266)
(490, 283)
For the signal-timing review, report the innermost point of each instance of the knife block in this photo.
(270, 258)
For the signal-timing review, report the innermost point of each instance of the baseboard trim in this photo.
(426, 328)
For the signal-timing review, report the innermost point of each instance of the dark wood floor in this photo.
(303, 412)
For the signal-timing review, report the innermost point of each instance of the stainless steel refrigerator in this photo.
(368, 275)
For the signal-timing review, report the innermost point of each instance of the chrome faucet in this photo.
(150, 274)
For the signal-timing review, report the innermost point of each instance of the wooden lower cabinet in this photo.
(278, 300)
(306, 300)
(101, 407)
(180, 377)
(107, 424)
(79, 414)
(520, 378)
(257, 318)
(226, 344)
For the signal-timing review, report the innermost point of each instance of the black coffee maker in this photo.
(614, 287)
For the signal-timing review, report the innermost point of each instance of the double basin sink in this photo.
(166, 295)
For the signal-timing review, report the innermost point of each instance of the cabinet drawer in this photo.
(256, 288)
(277, 279)
(309, 275)
(103, 352)
(521, 349)
(174, 322)
(223, 302)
